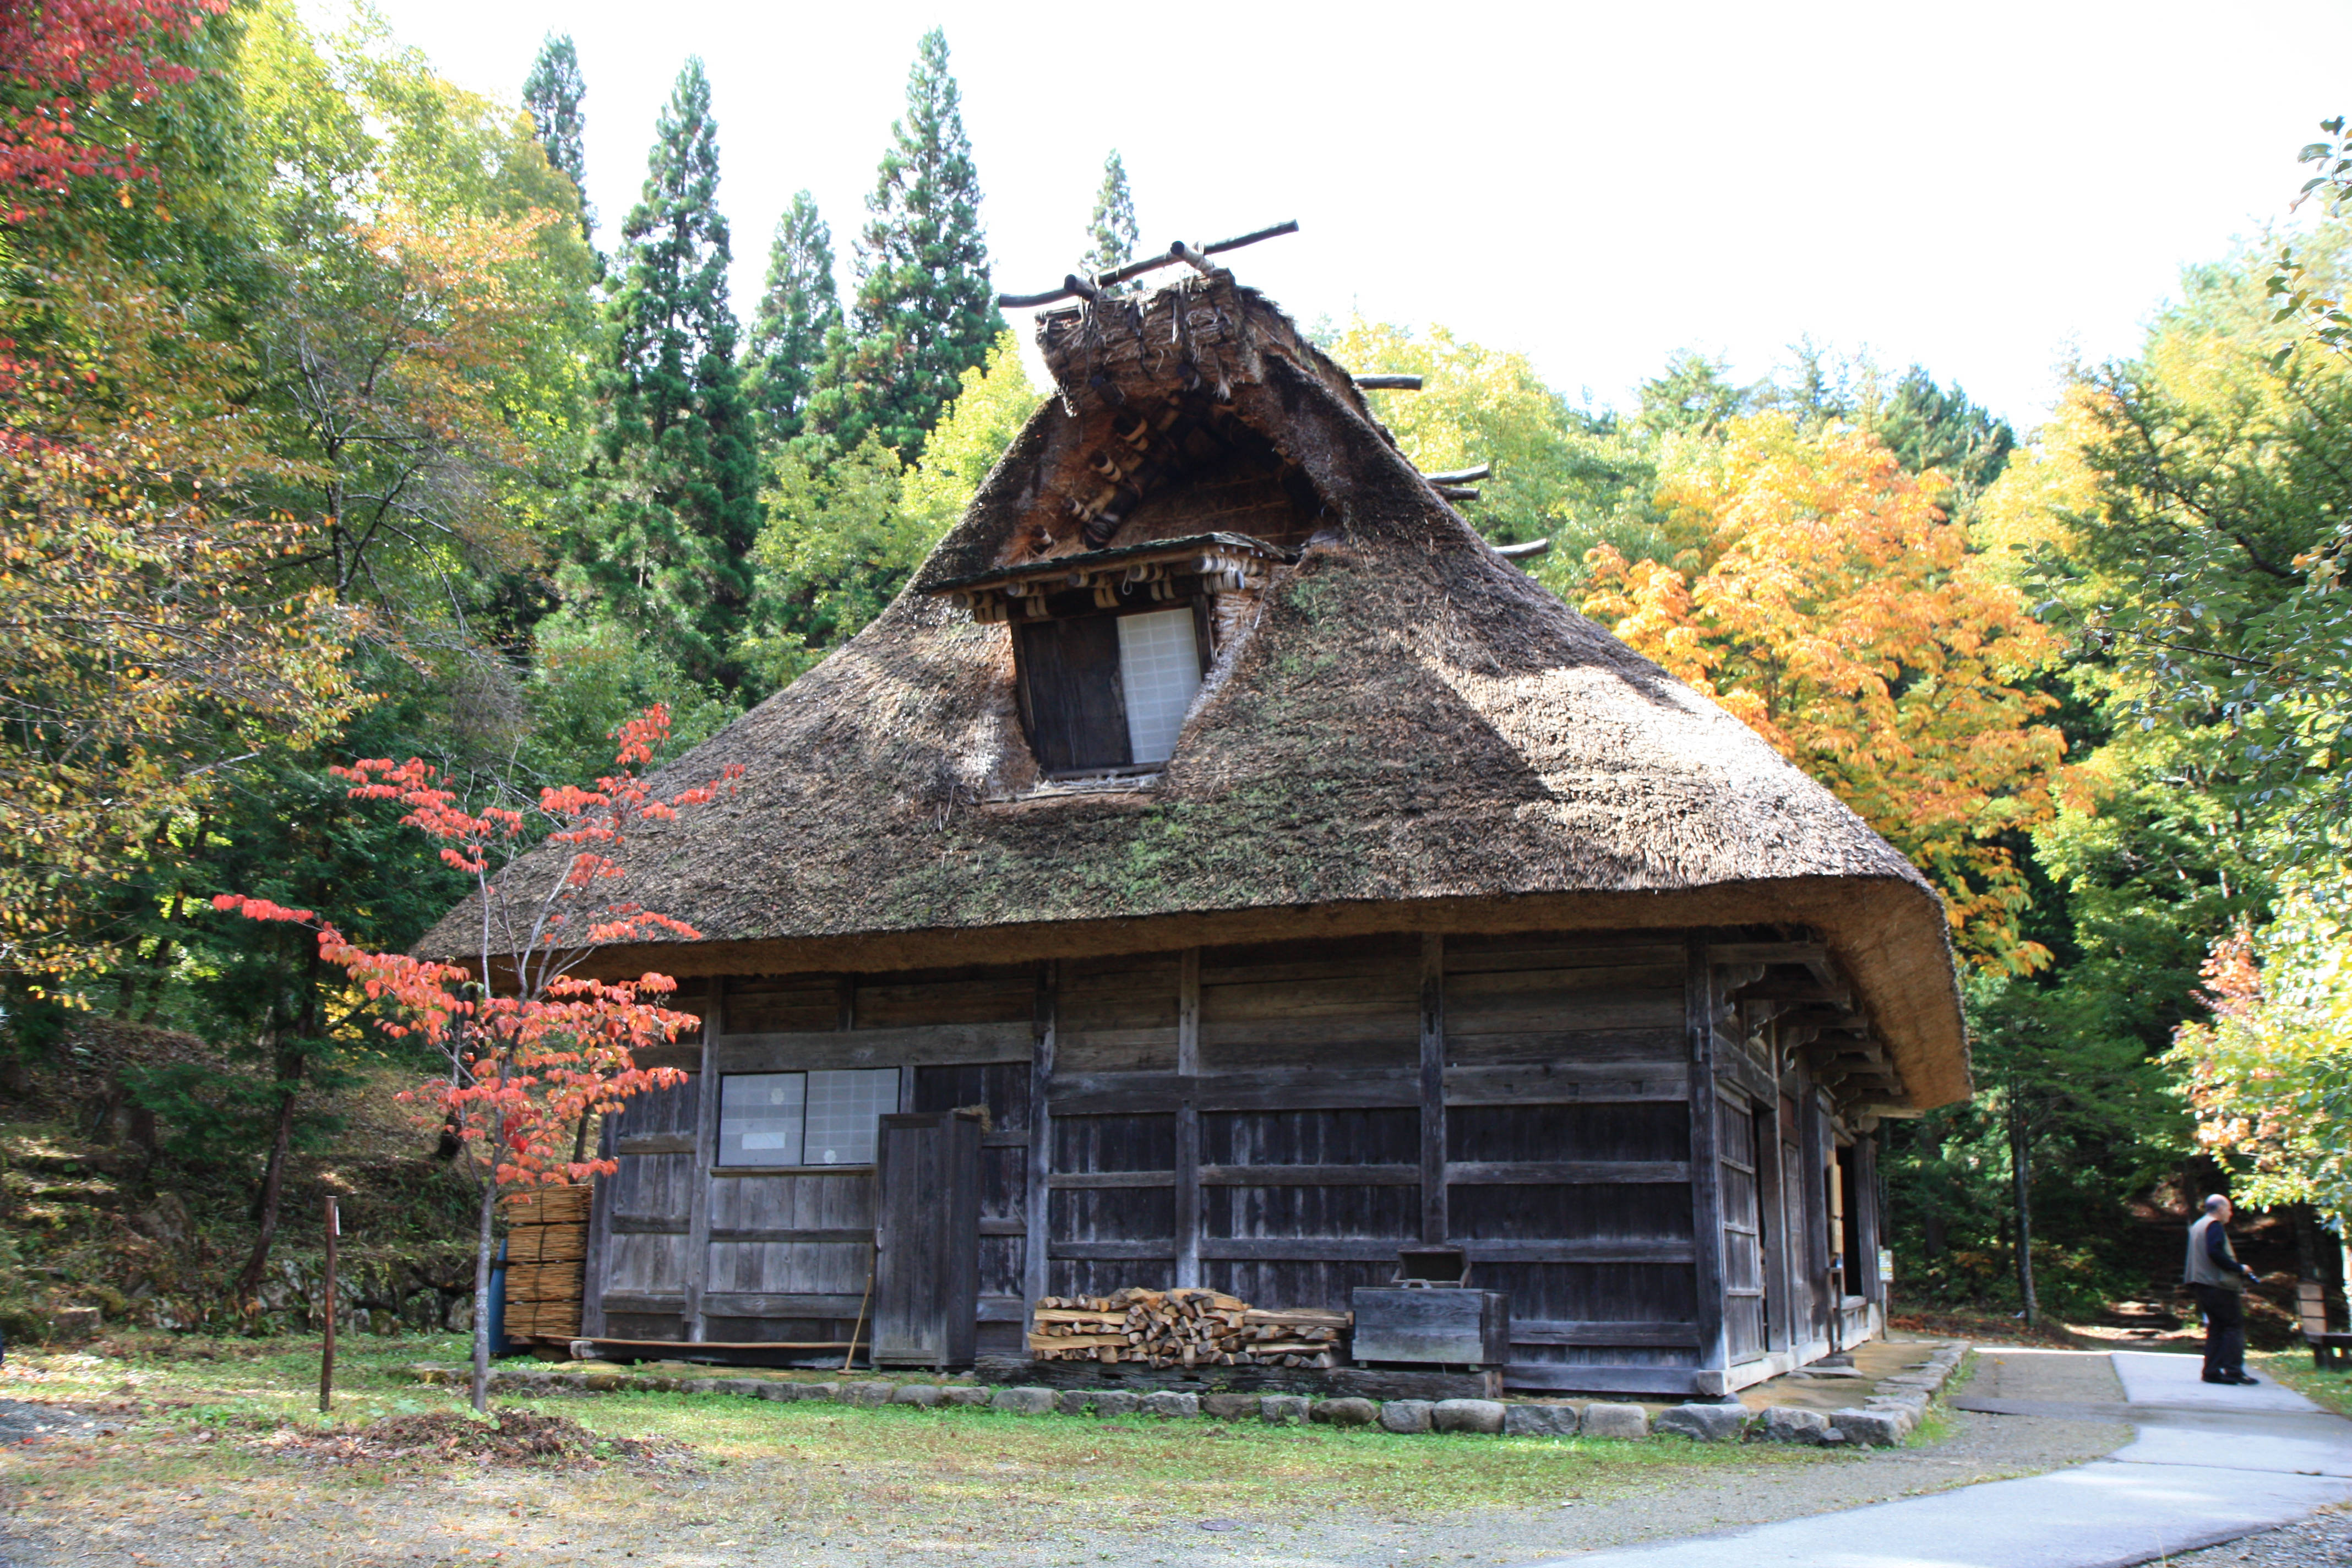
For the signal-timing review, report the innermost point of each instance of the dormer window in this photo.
(1110, 646)
(1101, 693)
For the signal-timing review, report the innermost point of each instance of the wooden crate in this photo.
(1431, 1327)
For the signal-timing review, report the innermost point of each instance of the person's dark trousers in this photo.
(2225, 1330)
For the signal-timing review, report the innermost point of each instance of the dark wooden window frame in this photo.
(1046, 714)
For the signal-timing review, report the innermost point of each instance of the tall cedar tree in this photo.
(1112, 233)
(552, 92)
(799, 315)
(925, 312)
(670, 500)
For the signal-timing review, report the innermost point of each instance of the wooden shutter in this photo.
(1069, 689)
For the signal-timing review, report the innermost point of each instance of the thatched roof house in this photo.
(1209, 671)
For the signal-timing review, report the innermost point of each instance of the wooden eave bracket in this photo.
(1227, 562)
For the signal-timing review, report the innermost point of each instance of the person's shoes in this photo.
(2215, 1377)
(2247, 1379)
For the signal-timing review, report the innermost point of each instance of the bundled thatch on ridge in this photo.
(1400, 717)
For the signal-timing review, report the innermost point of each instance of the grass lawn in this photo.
(228, 1446)
(2294, 1368)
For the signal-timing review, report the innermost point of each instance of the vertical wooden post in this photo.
(1433, 1217)
(327, 1350)
(1705, 1169)
(1187, 1120)
(1814, 1199)
(1863, 1270)
(1041, 1130)
(706, 1157)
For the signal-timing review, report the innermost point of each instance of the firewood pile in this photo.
(1184, 1328)
(547, 1248)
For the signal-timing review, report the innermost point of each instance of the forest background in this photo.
(326, 433)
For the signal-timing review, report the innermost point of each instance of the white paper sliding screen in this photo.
(1159, 669)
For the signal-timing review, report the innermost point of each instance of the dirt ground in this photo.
(213, 1465)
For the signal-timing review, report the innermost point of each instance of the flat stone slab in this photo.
(2154, 1377)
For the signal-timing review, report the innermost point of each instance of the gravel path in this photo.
(743, 1516)
(2324, 1541)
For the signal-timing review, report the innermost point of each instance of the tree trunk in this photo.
(482, 1248)
(291, 1063)
(2021, 1180)
(266, 1208)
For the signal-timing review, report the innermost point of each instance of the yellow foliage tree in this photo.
(143, 633)
(1826, 600)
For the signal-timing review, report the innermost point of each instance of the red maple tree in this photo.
(536, 1046)
(66, 67)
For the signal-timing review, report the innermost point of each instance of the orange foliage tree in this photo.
(1826, 600)
(530, 1055)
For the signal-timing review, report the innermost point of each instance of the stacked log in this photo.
(547, 1250)
(1184, 1328)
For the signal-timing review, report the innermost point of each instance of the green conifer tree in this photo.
(670, 507)
(552, 92)
(799, 313)
(925, 311)
(1111, 234)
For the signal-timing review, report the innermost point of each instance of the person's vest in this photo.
(2202, 1270)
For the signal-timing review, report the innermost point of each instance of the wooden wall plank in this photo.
(1586, 1379)
(1431, 1087)
(1567, 1083)
(918, 1046)
(1046, 1019)
(1271, 1088)
(1561, 1331)
(1188, 1121)
(1311, 1175)
(1706, 1177)
(1525, 1173)
(706, 1154)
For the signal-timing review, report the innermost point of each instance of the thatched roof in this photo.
(1400, 717)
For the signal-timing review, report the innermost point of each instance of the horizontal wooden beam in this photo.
(644, 1302)
(1305, 1249)
(772, 1233)
(1004, 1227)
(1567, 1083)
(1531, 1173)
(1557, 1378)
(1596, 1251)
(1311, 1175)
(1116, 1251)
(1562, 1332)
(1384, 382)
(1728, 952)
(760, 1304)
(656, 1143)
(647, 1225)
(926, 1045)
(1068, 1181)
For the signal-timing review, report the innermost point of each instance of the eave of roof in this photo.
(1085, 564)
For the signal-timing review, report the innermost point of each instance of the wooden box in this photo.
(1403, 1326)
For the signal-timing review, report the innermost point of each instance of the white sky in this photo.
(1987, 189)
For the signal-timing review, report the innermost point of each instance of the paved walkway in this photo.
(2209, 1464)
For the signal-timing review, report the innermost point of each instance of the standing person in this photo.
(2219, 1280)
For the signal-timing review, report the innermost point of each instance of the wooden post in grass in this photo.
(327, 1352)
